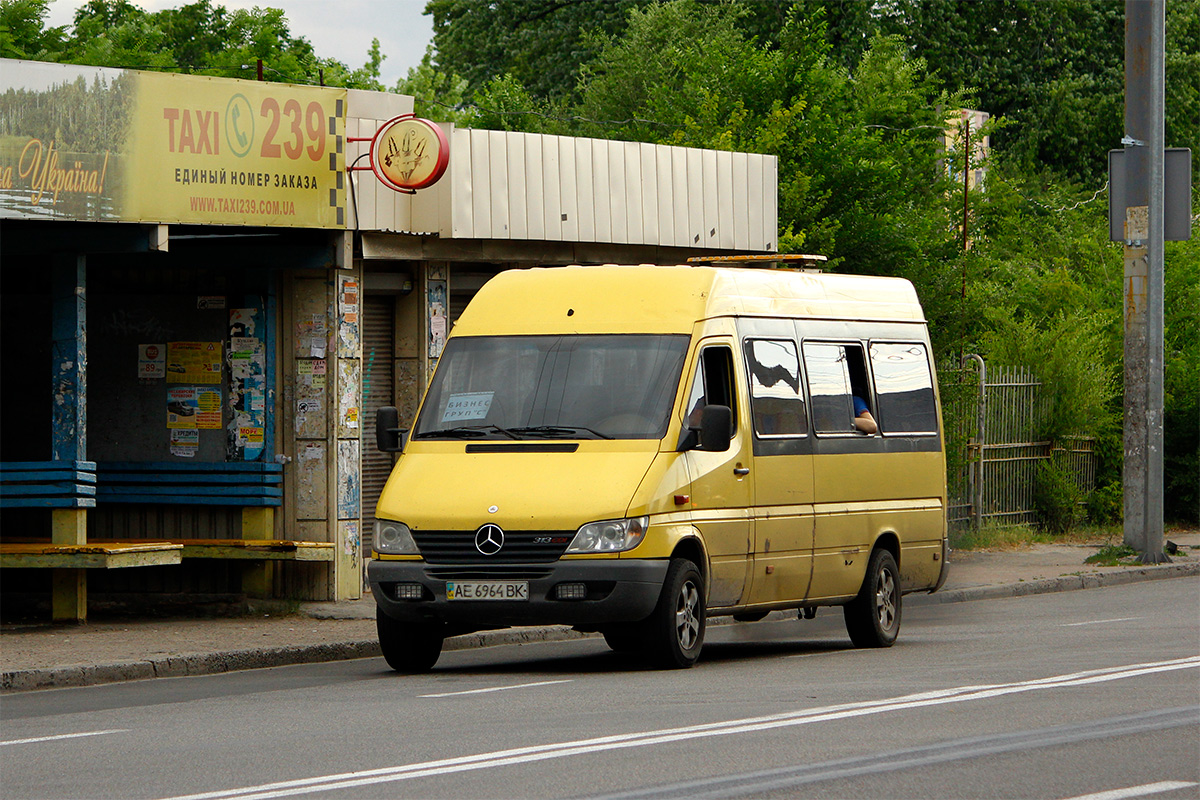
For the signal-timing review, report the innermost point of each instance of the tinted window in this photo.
(775, 396)
(903, 388)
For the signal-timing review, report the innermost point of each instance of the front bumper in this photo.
(618, 590)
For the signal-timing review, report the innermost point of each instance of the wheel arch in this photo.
(888, 540)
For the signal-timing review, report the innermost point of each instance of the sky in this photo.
(341, 29)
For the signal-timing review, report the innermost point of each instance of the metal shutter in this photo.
(378, 389)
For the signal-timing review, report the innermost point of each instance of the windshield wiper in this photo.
(466, 432)
(557, 431)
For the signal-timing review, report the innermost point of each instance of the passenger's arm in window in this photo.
(863, 421)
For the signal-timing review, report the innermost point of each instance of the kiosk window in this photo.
(904, 388)
(775, 396)
(836, 374)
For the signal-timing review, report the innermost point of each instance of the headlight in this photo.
(394, 538)
(609, 536)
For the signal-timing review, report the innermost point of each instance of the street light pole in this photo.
(1145, 23)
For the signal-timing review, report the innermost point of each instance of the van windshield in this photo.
(553, 387)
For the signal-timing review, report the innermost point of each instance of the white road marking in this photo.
(1099, 622)
(1137, 791)
(522, 755)
(63, 736)
(494, 689)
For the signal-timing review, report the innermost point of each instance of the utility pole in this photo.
(1145, 25)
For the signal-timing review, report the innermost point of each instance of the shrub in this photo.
(1056, 498)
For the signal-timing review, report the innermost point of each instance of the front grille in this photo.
(520, 547)
(489, 573)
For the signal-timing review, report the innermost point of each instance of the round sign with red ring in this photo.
(409, 153)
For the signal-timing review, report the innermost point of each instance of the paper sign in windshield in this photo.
(467, 406)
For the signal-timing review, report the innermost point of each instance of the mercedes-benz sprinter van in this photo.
(632, 450)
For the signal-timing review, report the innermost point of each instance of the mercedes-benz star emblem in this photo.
(489, 539)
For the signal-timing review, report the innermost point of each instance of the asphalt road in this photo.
(1050, 696)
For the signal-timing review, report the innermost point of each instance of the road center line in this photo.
(1137, 791)
(1099, 622)
(36, 739)
(495, 689)
(774, 781)
(522, 755)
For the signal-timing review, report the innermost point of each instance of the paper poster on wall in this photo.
(208, 403)
(348, 331)
(182, 407)
(185, 443)
(194, 362)
(152, 361)
(438, 321)
(243, 323)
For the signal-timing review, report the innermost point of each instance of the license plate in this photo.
(487, 590)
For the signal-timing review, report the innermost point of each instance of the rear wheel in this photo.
(408, 647)
(873, 617)
(674, 633)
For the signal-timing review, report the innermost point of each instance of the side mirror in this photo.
(716, 428)
(388, 436)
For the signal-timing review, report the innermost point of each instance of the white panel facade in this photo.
(616, 191)
(679, 194)
(497, 148)
(535, 204)
(634, 226)
(649, 158)
(462, 202)
(601, 190)
(551, 188)
(481, 168)
(725, 224)
(518, 207)
(568, 188)
(531, 187)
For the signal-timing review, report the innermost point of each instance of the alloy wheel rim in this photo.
(885, 599)
(687, 622)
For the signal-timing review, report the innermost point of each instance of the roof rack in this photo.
(776, 261)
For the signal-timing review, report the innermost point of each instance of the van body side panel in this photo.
(864, 496)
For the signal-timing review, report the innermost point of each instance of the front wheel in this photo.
(873, 617)
(408, 647)
(674, 633)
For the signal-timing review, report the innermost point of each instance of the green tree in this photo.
(23, 31)
(541, 43)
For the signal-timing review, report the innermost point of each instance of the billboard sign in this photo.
(93, 143)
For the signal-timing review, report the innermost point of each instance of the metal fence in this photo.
(991, 414)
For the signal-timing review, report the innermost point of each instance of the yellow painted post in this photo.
(68, 587)
(258, 576)
(258, 523)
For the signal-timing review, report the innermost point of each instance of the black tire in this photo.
(674, 633)
(873, 617)
(408, 647)
(623, 638)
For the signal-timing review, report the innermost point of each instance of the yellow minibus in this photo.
(631, 450)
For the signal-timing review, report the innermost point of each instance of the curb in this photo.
(261, 658)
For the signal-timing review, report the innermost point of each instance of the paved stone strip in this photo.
(259, 658)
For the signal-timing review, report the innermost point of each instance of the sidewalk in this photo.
(39, 657)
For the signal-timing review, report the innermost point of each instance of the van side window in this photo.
(713, 384)
(776, 399)
(904, 388)
(836, 375)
